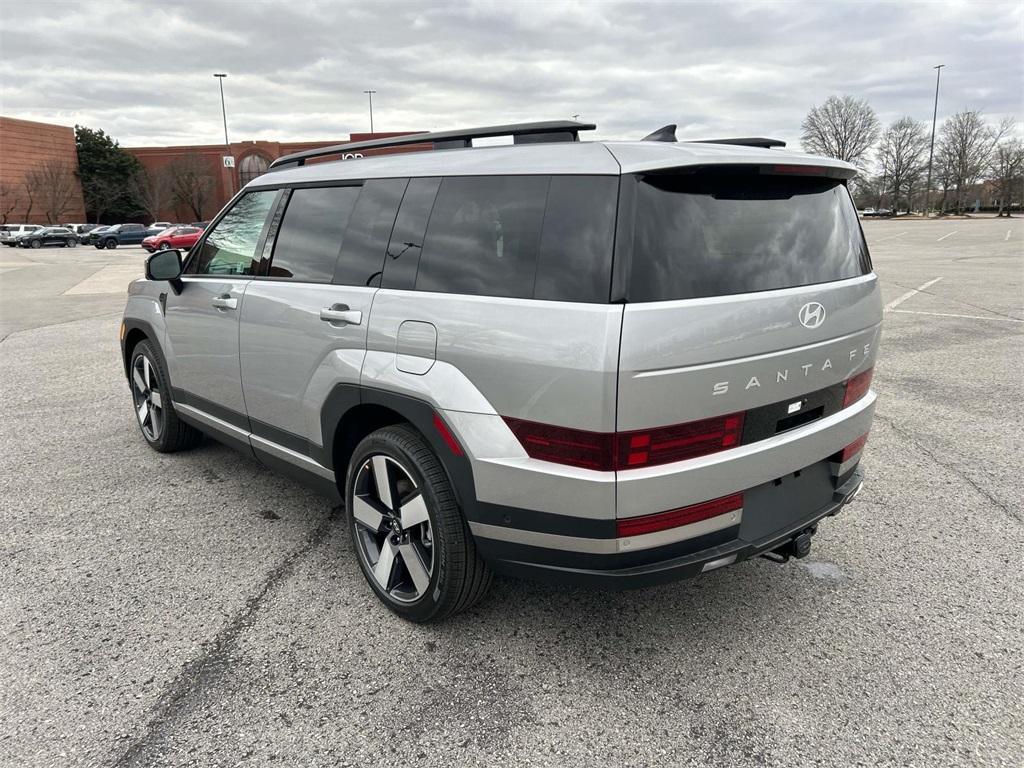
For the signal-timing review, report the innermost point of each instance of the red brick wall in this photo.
(25, 145)
(226, 180)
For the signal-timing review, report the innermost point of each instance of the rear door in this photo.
(305, 319)
(202, 320)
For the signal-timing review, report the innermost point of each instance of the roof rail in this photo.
(745, 142)
(522, 133)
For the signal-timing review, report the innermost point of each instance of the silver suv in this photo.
(602, 363)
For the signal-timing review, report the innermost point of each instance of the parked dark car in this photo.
(173, 237)
(119, 234)
(49, 236)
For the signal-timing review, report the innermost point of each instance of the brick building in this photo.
(26, 146)
(251, 159)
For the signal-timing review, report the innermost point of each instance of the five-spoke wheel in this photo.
(149, 404)
(411, 539)
(393, 528)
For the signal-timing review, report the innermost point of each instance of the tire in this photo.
(150, 385)
(430, 538)
(163, 246)
(110, 244)
(35, 244)
(71, 243)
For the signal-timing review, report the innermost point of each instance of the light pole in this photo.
(224, 113)
(931, 147)
(370, 94)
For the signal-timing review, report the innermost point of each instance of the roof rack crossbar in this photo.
(549, 130)
(742, 142)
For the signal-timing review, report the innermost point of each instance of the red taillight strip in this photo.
(674, 518)
(857, 387)
(853, 449)
(605, 452)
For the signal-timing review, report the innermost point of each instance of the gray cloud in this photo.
(142, 71)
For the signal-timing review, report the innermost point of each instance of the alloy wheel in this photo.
(392, 528)
(149, 404)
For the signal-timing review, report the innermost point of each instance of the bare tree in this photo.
(1006, 169)
(842, 127)
(966, 149)
(154, 190)
(55, 184)
(30, 193)
(901, 155)
(9, 199)
(191, 182)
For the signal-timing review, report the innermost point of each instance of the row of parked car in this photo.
(158, 236)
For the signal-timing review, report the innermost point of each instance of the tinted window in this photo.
(407, 238)
(718, 234)
(366, 239)
(484, 235)
(310, 235)
(230, 247)
(576, 246)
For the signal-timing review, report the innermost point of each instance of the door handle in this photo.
(226, 301)
(340, 313)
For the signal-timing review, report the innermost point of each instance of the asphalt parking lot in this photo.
(196, 609)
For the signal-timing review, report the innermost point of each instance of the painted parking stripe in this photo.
(890, 237)
(949, 235)
(893, 304)
(1008, 234)
(969, 317)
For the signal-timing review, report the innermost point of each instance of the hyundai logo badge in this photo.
(812, 314)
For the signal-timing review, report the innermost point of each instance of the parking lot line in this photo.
(1007, 234)
(947, 314)
(947, 235)
(895, 303)
(890, 237)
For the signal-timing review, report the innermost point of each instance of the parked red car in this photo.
(174, 237)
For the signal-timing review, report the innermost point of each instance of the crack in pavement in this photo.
(115, 313)
(211, 664)
(950, 467)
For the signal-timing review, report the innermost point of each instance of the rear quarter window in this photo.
(716, 234)
(544, 237)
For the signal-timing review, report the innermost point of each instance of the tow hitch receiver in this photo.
(799, 546)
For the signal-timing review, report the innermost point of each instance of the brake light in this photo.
(627, 450)
(802, 170)
(853, 449)
(650, 447)
(674, 518)
(857, 387)
(575, 447)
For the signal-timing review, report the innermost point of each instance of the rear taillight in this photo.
(857, 387)
(853, 449)
(627, 450)
(674, 518)
(650, 447)
(575, 447)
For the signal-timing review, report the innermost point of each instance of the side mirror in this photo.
(165, 265)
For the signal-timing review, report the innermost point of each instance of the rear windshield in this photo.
(715, 234)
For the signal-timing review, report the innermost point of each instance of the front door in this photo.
(202, 320)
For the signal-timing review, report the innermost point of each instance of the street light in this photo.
(931, 147)
(370, 94)
(224, 113)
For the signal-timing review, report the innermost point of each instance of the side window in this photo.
(230, 247)
(407, 238)
(310, 236)
(484, 235)
(366, 239)
(579, 232)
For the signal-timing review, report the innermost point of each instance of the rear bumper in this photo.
(663, 564)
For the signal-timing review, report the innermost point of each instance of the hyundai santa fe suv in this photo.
(601, 363)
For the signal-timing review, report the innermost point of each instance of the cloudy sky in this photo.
(142, 71)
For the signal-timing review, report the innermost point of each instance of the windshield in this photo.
(715, 234)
